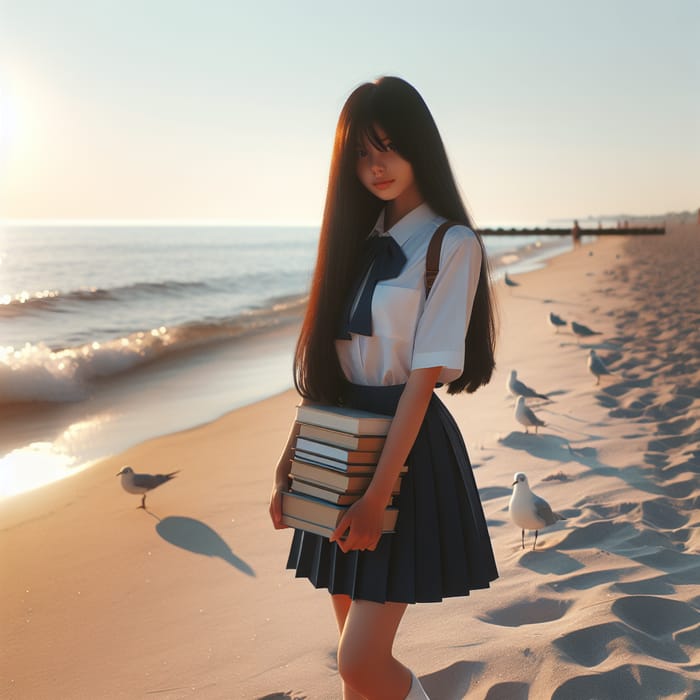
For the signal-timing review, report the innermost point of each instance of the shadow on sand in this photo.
(195, 536)
(452, 682)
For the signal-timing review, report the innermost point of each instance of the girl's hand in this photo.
(281, 479)
(364, 519)
(276, 505)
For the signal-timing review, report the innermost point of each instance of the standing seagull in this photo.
(142, 483)
(583, 331)
(528, 511)
(596, 366)
(525, 415)
(518, 388)
(555, 321)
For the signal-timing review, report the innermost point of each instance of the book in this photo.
(347, 420)
(316, 529)
(337, 438)
(334, 480)
(338, 453)
(342, 498)
(331, 478)
(326, 515)
(336, 464)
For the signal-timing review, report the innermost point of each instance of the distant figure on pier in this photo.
(576, 234)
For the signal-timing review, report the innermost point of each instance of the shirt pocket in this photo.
(395, 312)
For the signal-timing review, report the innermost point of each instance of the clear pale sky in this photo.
(225, 110)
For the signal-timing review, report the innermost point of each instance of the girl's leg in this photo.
(365, 659)
(341, 606)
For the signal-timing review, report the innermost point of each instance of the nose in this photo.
(376, 161)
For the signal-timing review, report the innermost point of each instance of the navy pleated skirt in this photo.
(441, 547)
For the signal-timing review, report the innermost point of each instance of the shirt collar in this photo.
(408, 226)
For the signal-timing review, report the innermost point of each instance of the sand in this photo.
(190, 598)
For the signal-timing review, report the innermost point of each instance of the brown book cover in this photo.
(317, 529)
(323, 514)
(347, 420)
(342, 498)
(337, 438)
(337, 453)
(308, 488)
(331, 478)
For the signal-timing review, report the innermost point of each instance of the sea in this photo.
(113, 334)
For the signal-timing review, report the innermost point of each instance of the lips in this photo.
(383, 184)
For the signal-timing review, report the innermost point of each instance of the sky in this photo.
(224, 110)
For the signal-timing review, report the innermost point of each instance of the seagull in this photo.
(555, 321)
(583, 331)
(528, 511)
(525, 416)
(596, 366)
(509, 282)
(518, 388)
(142, 483)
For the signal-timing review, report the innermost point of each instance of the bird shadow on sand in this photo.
(452, 682)
(195, 536)
(548, 561)
(552, 447)
(288, 695)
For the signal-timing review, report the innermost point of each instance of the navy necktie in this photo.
(385, 260)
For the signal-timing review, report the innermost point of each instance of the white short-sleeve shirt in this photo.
(409, 331)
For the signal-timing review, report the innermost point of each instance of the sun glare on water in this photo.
(39, 463)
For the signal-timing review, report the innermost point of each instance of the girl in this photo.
(382, 346)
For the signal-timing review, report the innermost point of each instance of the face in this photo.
(385, 173)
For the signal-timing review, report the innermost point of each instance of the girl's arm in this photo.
(364, 517)
(281, 480)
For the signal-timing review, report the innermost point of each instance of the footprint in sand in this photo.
(592, 645)
(637, 681)
(591, 579)
(657, 585)
(670, 409)
(675, 427)
(671, 442)
(528, 612)
(511, 690)
(656, 459)
(657, 617)
(663, 514)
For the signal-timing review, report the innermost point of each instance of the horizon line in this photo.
(154, 222)
(149, 222)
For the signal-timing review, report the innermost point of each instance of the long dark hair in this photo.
(350, 212)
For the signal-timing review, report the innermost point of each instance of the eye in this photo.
(390, 146)
(361, 152)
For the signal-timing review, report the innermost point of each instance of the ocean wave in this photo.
(25, 302)
(38, 373)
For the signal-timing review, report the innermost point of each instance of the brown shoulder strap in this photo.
(432, 258)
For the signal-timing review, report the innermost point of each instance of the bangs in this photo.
(370, 133)
(364, 116)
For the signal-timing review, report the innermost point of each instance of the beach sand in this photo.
(190, 598)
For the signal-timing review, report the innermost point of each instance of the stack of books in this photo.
(335, 455)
